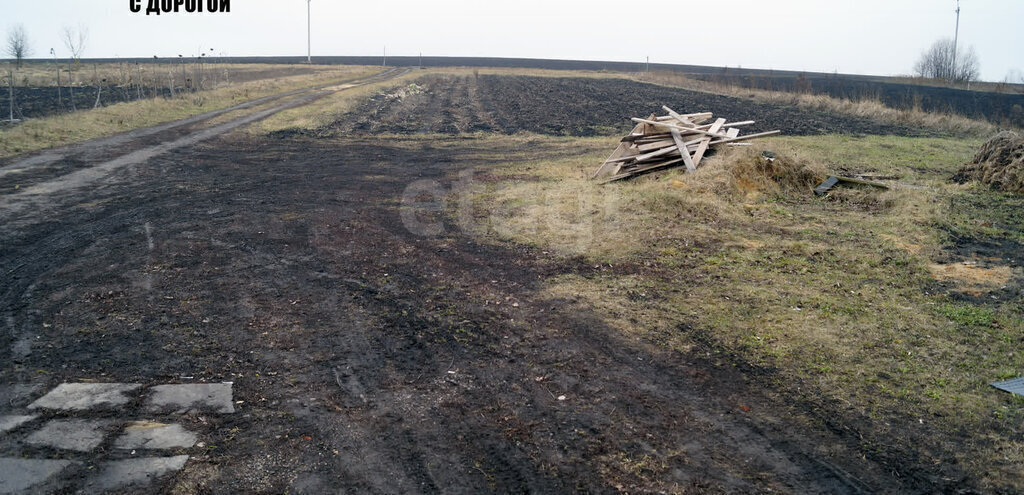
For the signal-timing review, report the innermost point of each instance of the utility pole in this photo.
(421, 60)
(10, 85)
(956, 38)
(60, 98)
(309, 32)
(648, 70)
(385, 55)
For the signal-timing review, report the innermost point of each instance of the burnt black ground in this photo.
(580, 107)
(370, 359)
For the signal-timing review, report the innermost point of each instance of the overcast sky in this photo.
(882, 37)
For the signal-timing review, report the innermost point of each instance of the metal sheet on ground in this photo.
(1015, 386)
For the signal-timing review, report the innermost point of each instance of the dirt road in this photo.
(364, 357)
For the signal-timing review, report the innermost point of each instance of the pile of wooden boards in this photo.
(669, 141)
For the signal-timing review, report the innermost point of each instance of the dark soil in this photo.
(36, 102)
(1001, 108)
(577, 107)
(369, 359)
(985, 229)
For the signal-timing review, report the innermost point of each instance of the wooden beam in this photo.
(641, 170)
(679, 118)
(661, 143)
(747, 137)
(684, 151)
(621, 150)
(713, 132)
(706, 142)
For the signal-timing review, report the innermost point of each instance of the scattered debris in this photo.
(1015, 386)
(999, 164)
(835, 180)
(657, 143)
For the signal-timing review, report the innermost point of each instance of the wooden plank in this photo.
(851, 180)
(706, 142)
(641, 170)
(690, 145)
(666, 135)
(712, 132)
(661, 143)
(698, 118)
(825, 186)
(684, 151)
(732, 132)
(648, 138)
(689, 116)
(747, 137)
(679, 118)
(621, 150)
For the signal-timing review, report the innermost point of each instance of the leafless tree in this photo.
(17, 44)
(75, 40)
(945, 62)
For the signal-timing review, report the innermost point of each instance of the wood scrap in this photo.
(661, 142)
(835, 180)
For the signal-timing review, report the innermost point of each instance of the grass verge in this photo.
(80, 126)
(857, 304)
(866, 108)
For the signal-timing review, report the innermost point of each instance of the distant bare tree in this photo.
(75, 40)
(17, 44)
(940, 62)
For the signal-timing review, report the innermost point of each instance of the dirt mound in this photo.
(999, 163)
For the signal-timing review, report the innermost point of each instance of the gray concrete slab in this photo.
(84, 396)
(29, 475)
(81, 435)
(133, 472)
(8, 423)
(198, 397)
(151, 435)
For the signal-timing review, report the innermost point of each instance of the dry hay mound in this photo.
(999, 163)
(751, 172)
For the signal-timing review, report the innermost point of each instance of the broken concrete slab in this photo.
(151, 435)
(120, 474)
(84, 396)
(8, 423)
(82, 435)
(199, 397)
(24, 475)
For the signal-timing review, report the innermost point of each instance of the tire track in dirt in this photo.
(483, 120)
(54, 162)
(37, 196)
(372, 360)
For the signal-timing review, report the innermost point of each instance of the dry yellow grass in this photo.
(43, 74)
(871, 109)
(973, 279)
(89, 124)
